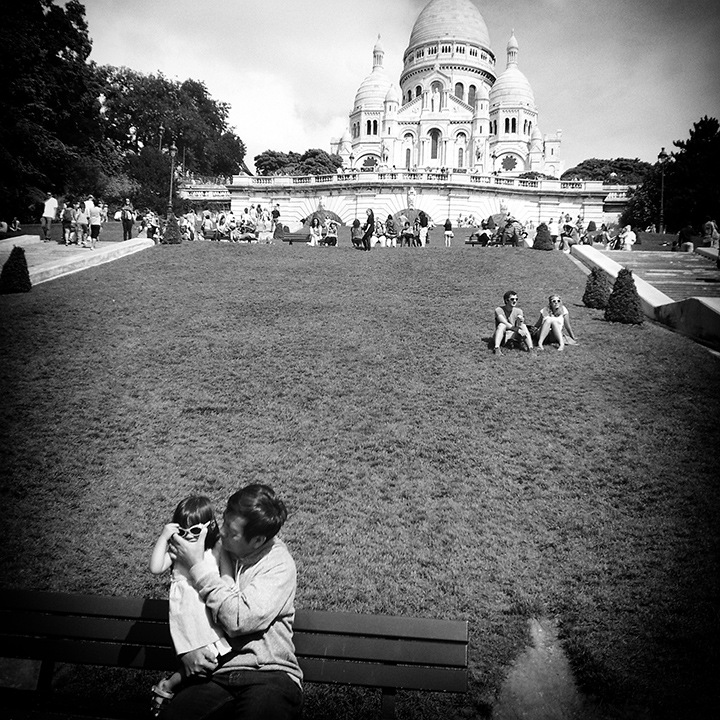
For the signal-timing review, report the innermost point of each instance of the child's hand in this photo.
(169, 530)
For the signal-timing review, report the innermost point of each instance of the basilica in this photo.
(452, 110)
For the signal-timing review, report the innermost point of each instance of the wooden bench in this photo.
(388, 653)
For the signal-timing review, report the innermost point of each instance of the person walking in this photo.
(448, 232)
(49, 213)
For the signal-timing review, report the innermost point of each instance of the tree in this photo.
(621, 170)
(312, 162)
(597, 290)
(50, 131)
(15, 276)
(691, 183)
(543, 240)
(624, 302)
(150, 112)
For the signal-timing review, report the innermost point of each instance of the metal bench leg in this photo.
(387, 705)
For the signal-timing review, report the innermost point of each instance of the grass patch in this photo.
(424, 476)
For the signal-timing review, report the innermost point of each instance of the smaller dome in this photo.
(536, 134)
(512, 88)
(378, 46)
(512, 42)
(373, 90)
(392, 95)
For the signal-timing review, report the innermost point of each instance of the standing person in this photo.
(368, 229)
(81, 225)
(448, 233)
(49, 212)
(391, 232)
(95, 219)
(275, 216)
(127, 216)
(424, 223)
(555, 319)
(510, 324)
(68, 222)
(191, 626)
(552, 227)
(261, 678)
(627, 238)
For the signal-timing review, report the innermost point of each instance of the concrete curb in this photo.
(59, 268)
(697, 318)
(711, 253)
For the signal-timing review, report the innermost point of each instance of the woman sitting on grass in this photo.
(554, 320)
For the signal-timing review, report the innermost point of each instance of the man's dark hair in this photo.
(508, 294)
(263, 511)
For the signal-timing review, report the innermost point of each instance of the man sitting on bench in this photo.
(261, 677)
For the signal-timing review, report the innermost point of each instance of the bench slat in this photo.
(102, 606)
(383, 676)
(380, 649)
(83, 652)
(381, 625)
(136, 632)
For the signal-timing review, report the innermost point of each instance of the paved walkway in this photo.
(678, 275)
(50, 260)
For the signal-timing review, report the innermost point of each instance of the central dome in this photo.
(457, 19)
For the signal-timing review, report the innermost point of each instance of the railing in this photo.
(460, 177)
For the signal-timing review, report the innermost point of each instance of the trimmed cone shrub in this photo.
(597, 290)
(543, 241)
(15, 277)
(624, 302)
(172, 234)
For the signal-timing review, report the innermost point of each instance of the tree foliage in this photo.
(73, 128)
(50, 131)
(312, 162)
(621, 170)
(691, 183)
(543, 239)
(597, 289)
(623, 305)
(15, 276)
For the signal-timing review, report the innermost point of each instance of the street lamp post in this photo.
(663, 157)
(173, 153)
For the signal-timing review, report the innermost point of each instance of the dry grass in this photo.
(424, 475)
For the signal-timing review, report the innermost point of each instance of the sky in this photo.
(620, 78)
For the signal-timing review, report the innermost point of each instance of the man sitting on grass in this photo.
(510, 324)
(260, 677)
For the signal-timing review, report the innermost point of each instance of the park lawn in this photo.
(424, 476)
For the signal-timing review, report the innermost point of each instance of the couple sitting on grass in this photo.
(510, 327)
(232, 596)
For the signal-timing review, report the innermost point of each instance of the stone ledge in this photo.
(59, 268)
(697, 318)
(708, 252)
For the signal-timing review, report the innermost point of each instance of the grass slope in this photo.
(424, 476)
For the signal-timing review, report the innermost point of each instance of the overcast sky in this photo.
(620, 78)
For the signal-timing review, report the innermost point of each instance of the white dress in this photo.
(191, 625)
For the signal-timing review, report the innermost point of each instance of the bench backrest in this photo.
(348, 648)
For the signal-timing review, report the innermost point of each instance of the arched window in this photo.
(375, 127)
(471, 95)
(507, 125)
(459, 91)
(434, 143)
(513, 126)
(461, 157)
(409, 95)
(418, 91)
(408, 155)
(369, 128)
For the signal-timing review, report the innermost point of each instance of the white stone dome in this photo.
(392, 95)
(512, 88)
(457, 19)
(373, 90)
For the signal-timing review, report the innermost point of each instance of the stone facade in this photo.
(451, 110)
